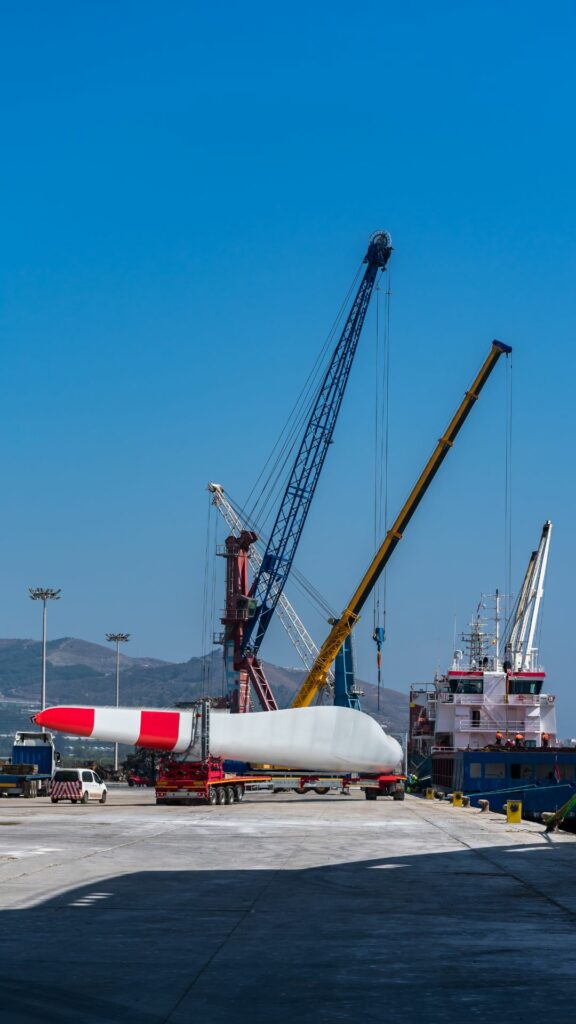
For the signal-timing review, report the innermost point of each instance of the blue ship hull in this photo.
(543, 779)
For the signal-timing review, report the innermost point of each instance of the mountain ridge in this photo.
(82, 672)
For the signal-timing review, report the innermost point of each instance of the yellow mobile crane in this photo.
(343, 627)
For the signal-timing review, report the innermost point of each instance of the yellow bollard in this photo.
(514, 812)
(457, 799)
(429, 794)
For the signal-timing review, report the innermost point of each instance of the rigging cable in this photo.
(205, 602)
(508, 490)
(296, 576)
(381, 453)
(292, 427)
(212, 617)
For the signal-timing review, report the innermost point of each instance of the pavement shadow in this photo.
(475, 935)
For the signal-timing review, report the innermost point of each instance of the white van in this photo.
(79, 785)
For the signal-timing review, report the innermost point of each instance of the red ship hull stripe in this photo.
(159, 729)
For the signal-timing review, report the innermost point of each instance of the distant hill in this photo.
(80, 672)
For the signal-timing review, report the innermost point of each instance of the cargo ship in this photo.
(487, 727)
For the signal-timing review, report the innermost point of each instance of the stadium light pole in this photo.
(44, 594)
(117, 638)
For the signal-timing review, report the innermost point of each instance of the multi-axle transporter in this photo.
(198, 777)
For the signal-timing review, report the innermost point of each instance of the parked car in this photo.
(79, 785)
(136, 779)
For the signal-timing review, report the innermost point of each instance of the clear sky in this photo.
(187, 190)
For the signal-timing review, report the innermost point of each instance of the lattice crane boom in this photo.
(283, 542)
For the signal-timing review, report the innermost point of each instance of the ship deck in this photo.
(282, 909)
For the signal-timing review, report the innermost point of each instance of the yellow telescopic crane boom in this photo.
(341, 629)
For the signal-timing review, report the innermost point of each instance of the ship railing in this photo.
(462, 698)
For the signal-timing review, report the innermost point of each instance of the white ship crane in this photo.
(519, 647)
(295, 628)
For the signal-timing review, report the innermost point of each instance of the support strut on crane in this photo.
(343, 627)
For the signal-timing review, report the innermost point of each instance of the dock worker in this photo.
(545, 740)
(499, 738)
(519, 739)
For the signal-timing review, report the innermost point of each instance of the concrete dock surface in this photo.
(307, 910)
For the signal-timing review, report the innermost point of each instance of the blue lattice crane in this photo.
(287, 529)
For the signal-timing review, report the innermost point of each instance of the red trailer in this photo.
(383, 785)
(202, 781)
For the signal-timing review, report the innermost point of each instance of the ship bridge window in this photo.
(532, 686)
(521, 771)
(466, 686)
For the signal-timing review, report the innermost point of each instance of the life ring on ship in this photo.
(550, 699)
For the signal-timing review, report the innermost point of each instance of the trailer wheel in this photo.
(160, 800)
(321, 790)
(229, 795)
(220, 795)
(54, 799)
(85, 796)
(399, 794)
(371, 794)
(212, 797)
(239, 793)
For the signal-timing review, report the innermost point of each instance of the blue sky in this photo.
(187, 191)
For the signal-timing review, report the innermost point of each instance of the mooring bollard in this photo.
(484, 806)
(514, 812)
(429, 793)
(457, 799)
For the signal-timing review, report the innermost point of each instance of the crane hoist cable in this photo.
(381, 458)
(508, 491)
(343, 627)
(207, 620)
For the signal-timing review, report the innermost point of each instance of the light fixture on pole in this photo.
(117, 638)
(44, 594)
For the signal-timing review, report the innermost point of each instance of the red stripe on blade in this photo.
(77, 721)
(159, 729)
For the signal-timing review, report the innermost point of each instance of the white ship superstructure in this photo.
(494, 691)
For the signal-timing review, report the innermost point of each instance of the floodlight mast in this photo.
(117, 638)
(44, 594)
